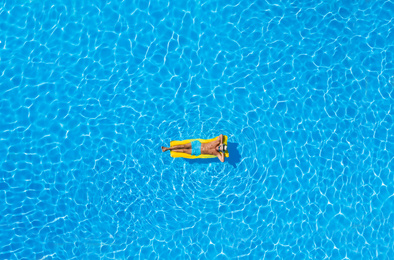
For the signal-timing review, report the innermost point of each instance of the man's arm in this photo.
(221, 157)
(221, 154)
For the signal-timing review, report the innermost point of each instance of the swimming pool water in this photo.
(90, 91)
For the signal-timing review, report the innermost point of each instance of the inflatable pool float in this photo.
(202, 156)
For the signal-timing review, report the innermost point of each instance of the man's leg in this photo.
(188, 151)
(175, 147)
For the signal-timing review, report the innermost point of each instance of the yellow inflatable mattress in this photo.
(189, 156)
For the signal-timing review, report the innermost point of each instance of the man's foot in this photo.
(164, 148)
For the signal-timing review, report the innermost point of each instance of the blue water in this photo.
(90, 91)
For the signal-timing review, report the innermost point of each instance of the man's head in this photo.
(222, 148)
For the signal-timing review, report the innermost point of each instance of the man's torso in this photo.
(209, 148)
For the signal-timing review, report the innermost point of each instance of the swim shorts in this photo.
(196, 148)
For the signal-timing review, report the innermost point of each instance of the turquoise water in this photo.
(90, 91)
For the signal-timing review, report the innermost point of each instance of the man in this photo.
(216, 148)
